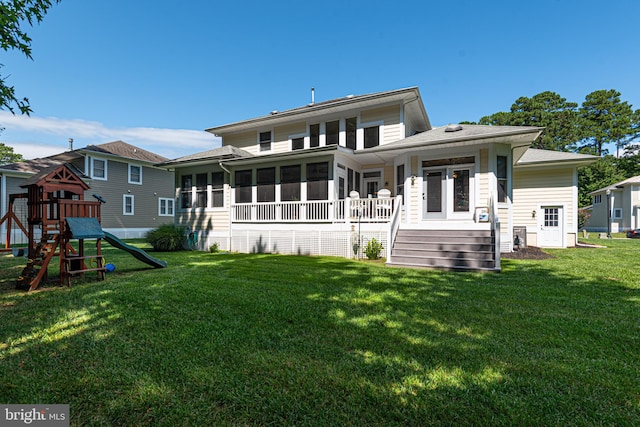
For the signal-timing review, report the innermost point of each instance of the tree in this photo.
(603, 172)
(8, 156)
(13, 15)
(546, 109)
(607, 120)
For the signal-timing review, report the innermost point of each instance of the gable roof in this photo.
(221, 153)
(62, 176)
(414, 109)
(127, 151)
(534, 156)
(618, 185)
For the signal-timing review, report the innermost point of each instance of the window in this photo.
(98, 169)
(290, 183)
(551, 217)
(318, 181)
(217, 189)
(357, 182)
(501, 174)
(461, 190)
(297, 143)
(186, 191)
(333, 133)
(201, 190)
(266, 183)
(617, 213)
(243, 186)
(597, 199)
(371, 136)
(351, 130)
(314, 135)
(127, 204)
(349, 180)
(265, 141)
(135, 174)
(400, 180)
(165, 207)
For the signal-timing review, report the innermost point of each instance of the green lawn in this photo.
(228, 339)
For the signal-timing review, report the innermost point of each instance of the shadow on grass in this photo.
(269, 339)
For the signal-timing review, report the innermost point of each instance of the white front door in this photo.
(372, 182)
(551, 226)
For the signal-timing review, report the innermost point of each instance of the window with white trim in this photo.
(135, 174)
(371, 136)
(314, 135)
(617, 213)
(265, 141)
(501, 175)
(98, 169)
(127, 204)
(597, 199)
(186, 191)
(351, 128)
(332, 130)
(165, 206)
(217, 189)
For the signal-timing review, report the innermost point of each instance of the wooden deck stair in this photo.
(472, 250)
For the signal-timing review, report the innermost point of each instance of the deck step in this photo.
(444, 249)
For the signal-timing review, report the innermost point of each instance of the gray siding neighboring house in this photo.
(623, 199)
(139, 196)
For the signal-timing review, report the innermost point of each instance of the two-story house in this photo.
(139, 196)
(328, 177)
(616, 208)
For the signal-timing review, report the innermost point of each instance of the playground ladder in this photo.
(36, 268)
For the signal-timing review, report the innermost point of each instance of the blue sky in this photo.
(157, 73)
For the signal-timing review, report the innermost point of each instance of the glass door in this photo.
(434, 193)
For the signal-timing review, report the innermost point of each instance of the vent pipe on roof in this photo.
(313, 95)
(70, 144)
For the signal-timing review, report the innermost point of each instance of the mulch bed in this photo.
(530, 252)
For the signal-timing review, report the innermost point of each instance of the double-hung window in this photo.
(127, 204)
(265, 141)
(98, 169)
(333, 132)
(351, 132)
(371, 136)
(165, 206)
(135, 174)
(314, 135)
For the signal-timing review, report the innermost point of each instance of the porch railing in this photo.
(347, 210)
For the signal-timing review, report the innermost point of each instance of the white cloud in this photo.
(42, 136)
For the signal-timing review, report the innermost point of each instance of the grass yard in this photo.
(230, 339)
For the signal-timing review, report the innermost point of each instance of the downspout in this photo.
(229, 216)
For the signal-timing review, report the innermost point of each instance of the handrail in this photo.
(394, 225)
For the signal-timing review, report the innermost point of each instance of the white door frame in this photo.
(447, 189)
(544, 231)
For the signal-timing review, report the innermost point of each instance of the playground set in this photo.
(57, 215)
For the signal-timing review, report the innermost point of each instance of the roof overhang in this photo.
(410, 97)
(302, 154)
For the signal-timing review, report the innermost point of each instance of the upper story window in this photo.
(135, 174)
(98, 169)
(333, 132)
(351, 126)
(501, 175)
(297, 143)
(371, 136)
(597, 199)
(314, 135)
(265, 141)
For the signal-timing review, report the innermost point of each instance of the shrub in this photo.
(167, 238)
(214, 248)
(373, 249)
